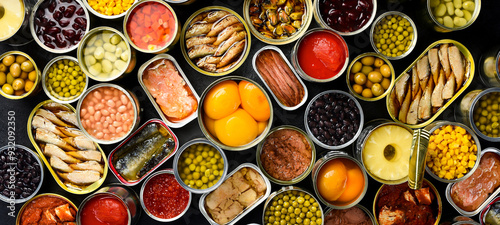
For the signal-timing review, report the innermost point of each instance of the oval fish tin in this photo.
(132, 137)
(485, 203)
(245, 211)
(268, 86)
(57, 178)
(170, 122)
(393, 104)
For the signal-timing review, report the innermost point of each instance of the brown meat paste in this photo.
(286, 154)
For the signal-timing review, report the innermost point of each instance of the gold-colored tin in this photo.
(436, 193)
(306, 21)
(167, 45)
(36, 86)
(428, 17)
(18, 218)
(132, 60)
(469, 74)
(214, 139)
(58, 180)
(243, 55)
(348, 75)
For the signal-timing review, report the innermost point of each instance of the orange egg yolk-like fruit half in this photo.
(332, 179)
(254, 101)
(355, 183)
(237, 129)
(209, 124)
(222, 100)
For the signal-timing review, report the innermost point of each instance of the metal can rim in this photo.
(35, 84)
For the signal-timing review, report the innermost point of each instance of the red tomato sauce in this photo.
(104, 210)
(164, 197)
(151, 26)
(322, 55)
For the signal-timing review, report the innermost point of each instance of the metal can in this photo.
(130, 96)
(40, 168)
(468, 74)
(299, 177)
(305, 21)
(31, 135)
(486, 202)
(15, 25)
(368, 213)
(246, 210)
(21, 211)
(413, 40)
(86, 49)
(359, 148)
(176, 165)
(215, 140)
(134, 136)
(126, 196)
(170, 122)
(427, 13)
(324, 160)
(356, 133)
(269, 84)
(50, 92)
(166, 171)
(489, 68)
(466, 110)
(36, 83)
(174, 38)
(40, 41)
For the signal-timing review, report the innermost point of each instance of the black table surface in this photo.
(480, 37)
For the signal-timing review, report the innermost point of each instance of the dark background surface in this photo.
(482, 36)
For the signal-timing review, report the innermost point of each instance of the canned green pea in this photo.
(63, 79)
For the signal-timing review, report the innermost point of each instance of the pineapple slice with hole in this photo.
(386, 153)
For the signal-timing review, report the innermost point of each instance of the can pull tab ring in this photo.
(417, 159)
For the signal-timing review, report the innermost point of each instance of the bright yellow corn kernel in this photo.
(471, 164)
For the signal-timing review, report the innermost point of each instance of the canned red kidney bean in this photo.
(106, 113)
(60, 24)
(333, 119)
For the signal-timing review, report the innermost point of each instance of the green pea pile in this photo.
(200, 166)
(65, 80)
(293, 207)
(393, 35)
(487, 114)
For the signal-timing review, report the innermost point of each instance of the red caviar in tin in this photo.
(164, 197)
(151, 25)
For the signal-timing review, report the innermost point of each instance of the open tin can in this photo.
(75, 189)
(126, 198)
(489, 68)
(15, 22)
(392, 142)
(351, 174)
(71, 205)
(469, 112)
(247, 166)
(395, 107)
(436, 205)
(364, 209)
(428, 11)
(486, 202)
(131, 150)
(189, 90)
(287, 101)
